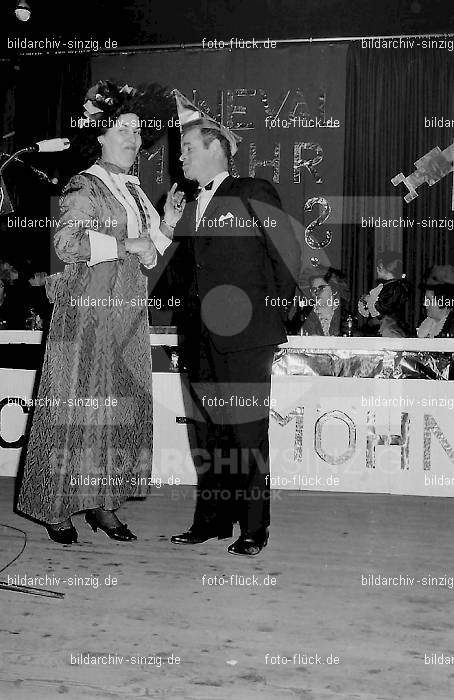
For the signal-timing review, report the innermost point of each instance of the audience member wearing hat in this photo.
(438, 303)
(239, 261)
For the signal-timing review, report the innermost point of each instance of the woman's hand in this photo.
(143, 248)
(174, 206)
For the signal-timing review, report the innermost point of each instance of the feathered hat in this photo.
(107, 100)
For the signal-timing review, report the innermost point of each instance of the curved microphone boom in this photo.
(46, 146)
(40, 173)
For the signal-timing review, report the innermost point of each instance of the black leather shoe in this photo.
(120, 532)
(249, 544)
(62, 535)
(199, 536)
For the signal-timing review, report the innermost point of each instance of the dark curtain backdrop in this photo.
(382, 97)
(389, 94)
(7, 141)
(7, 92)
(48, 92)
(241, 88)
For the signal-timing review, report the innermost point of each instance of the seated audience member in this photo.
(439, 304)
(385, 303)
(8, 272)
(3, 319)
(389, 266)
(322, 309)
(12, 310)
(37, 302)
(11, 307)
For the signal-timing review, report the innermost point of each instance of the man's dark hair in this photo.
(391, 261)
(392, 298)
(334, 277)
(208, 135)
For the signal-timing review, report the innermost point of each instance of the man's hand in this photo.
(174, 206)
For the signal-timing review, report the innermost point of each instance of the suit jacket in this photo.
(238, 270)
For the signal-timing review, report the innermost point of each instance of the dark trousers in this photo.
(229, 442)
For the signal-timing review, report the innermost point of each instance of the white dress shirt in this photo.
(204, 197)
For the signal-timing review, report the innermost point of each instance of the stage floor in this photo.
(321, 545)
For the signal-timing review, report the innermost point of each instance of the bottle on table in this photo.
(348, 327)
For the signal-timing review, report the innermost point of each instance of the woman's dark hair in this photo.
(444, 295)
(332, 276)
(391, 261)
(393, 297)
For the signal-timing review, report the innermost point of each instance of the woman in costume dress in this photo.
(90, 444)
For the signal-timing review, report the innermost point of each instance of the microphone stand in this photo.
(4, 585)
(30, 590)
(3, 191)
(13, 157)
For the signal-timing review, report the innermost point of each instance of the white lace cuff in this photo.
(103, 248)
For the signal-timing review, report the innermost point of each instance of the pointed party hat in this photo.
(189, 114)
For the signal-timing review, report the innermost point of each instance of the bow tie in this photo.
(207, 188)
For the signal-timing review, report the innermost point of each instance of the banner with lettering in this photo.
(287, 105)
(326, 433)
(369, 435)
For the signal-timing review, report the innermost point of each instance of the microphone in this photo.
(42, 175)
(49, 146)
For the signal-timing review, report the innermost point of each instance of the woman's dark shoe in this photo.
(61, 533)
(249, 544)
(119, 532)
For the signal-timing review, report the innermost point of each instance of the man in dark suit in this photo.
(238, 258)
